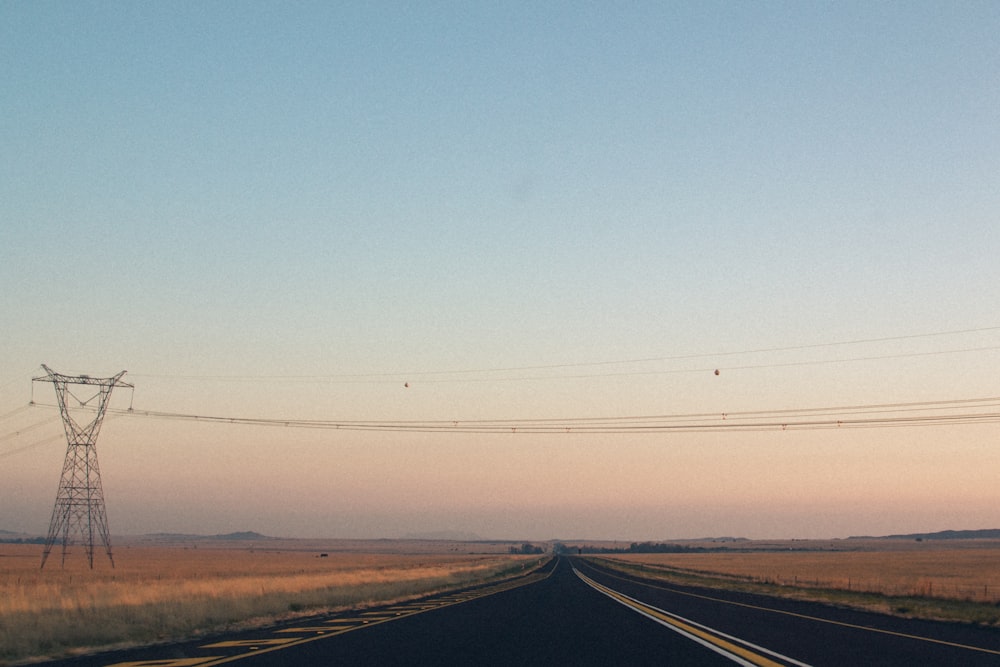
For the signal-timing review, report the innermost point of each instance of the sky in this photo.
(466, 211)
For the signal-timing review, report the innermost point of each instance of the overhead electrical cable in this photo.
(881, 415)
(16, 379)
(38, 443)
(15, 412)
(400, 377)
(441, 375)
(28, 428)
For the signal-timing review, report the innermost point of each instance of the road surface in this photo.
(575, 613)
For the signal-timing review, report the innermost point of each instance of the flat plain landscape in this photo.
(954, 569)
(167, 588)
(164, 588)
(953, 580)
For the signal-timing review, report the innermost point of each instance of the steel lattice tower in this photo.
(79, 509)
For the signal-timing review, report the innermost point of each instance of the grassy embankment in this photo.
(953, 584)
(157, 594)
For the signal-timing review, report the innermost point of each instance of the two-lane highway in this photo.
(577, 613)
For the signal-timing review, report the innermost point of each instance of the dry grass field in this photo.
(945, 571)
(169, 591)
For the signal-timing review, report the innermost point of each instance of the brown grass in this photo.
(158, 593)
(961, 574)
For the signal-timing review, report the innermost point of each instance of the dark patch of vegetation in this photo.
(527, 549)
(639, 548)
(24, 540)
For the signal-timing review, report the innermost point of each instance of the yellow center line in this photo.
(725, 645)
(817, 619)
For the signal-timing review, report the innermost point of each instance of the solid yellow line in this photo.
(735, 649)
(854, 626)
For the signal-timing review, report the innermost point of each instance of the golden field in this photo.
(960, 570)
(158, 592)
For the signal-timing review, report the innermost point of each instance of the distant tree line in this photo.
(24, 540)
(527, 549)
(634, 548)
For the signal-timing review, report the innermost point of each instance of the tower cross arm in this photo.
(52, 376)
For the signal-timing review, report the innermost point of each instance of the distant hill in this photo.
(446, 535)
(244, 535)
(984, 534)
(719, 539)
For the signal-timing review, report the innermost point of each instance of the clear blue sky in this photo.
(268, 190)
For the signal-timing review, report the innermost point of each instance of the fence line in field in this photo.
(921, 588)
(986, 591)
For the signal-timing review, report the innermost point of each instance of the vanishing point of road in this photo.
(574, 612)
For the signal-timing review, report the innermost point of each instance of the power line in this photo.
(678, 371)
(26, 429)
(609, 428)
(441, 375)
(34, 445)
(16, 379)
(400, 377)
(878, 415)
(15, 411)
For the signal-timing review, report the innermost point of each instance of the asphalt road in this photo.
(573, 613)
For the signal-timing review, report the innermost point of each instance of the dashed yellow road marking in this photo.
(312, 628)
(377, 618)
(249, 643)
(366, 619)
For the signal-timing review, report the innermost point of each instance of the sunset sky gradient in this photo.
(521, 212)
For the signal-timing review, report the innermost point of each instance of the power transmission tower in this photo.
(79, 509)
